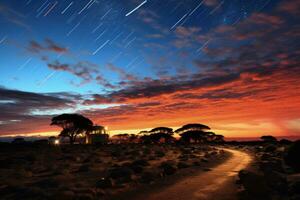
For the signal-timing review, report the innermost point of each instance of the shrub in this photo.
(270, 148)
(292, 157)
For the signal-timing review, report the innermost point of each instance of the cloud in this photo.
(84, 69)
(248, 71)
(18, 108)
(48, 45)
(247, 74)
(13, 17)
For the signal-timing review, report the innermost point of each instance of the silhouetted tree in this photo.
(210, 136)
(285, 142)
(219, 138)
(121, 138)
(195, 132)
(143, 133)
(133, 138)
(268, 138)
(159, 133)
(72, 124)
(192, 127)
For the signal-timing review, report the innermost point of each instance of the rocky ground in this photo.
(91, 172)
(269, 177)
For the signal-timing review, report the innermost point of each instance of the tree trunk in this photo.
(71, 140)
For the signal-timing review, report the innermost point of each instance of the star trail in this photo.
(232, 63)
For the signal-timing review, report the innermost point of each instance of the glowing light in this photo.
(56, 142)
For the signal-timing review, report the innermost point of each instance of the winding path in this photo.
(217, 184)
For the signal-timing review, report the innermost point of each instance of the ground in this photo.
(92, 172)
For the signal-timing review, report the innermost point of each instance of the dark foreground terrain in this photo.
(261, 171)
(274, 174)
(97, 172)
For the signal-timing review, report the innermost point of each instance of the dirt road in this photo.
(217, 184)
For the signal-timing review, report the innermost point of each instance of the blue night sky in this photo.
(112, 60)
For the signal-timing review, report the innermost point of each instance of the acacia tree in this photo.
(195, 132)
(219, 139)
(159, 133)
(268, 138)
(72, 125)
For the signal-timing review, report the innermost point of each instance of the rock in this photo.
(105, 183)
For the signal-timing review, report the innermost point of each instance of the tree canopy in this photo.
(192, 127)
(72, 124)
(165, 130)
(268, 138)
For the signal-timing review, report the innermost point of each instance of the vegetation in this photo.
(72, 124)
(292, 156)
(268, 138)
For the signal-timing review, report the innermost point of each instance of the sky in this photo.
(133, 65)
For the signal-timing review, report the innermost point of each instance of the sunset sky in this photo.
(133, 65)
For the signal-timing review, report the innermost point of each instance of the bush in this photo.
(292, 157)
(124, 174)
(270, 148)
(169, 168)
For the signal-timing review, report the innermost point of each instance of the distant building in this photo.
(54, 140)
(97, 135)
